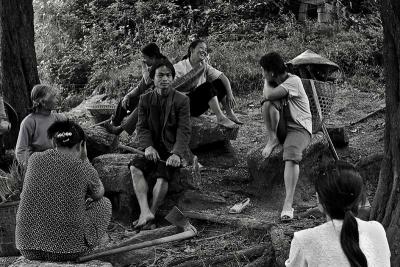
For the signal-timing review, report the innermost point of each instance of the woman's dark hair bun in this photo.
(66, 133)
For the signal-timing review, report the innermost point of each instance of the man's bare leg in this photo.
(291, 175)
(221, 118)
(159, 192)
(141, 189)
(271, 120)
(229, 112)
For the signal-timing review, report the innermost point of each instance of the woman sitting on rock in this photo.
(32, 135)
(62, 213)
(204, 85)
(343, 240)
(281, 88)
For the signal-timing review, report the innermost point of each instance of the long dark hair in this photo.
(193, 46)
(340, 188)
(66, 133)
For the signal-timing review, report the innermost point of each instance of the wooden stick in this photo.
(216, 236)
(101, 123)
(150, 243)
(136, 151)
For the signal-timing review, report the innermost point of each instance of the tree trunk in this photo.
(386, 205)
(18, 66)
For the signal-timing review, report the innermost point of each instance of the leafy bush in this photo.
(94, 45)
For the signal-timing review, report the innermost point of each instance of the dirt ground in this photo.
(225, 239)
(225, 173)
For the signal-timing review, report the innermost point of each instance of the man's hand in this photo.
(151, 154)
(174, 161)
(231, 101)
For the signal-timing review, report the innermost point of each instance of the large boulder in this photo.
(116, 177)
(99, 141)
(205, 131)
(267, 174)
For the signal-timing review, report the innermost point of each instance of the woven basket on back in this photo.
(326, 93)
(8, 212)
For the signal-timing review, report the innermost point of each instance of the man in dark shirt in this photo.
(163, 131)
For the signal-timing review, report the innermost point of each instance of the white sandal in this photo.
(287, 215)
(238, 207)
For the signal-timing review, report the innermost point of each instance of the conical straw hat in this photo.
(309, 57)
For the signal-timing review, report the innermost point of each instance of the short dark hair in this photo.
(340, 189)
(160, 63)
(151, 50)
(273, 62)
(66, 133)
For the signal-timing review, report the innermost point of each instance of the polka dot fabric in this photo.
(52, 215)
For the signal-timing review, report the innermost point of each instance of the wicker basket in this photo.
(8, 212)
(101, 112)
(326, 93)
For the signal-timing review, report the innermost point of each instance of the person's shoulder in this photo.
(294, 78)
(370, 226)
(30, 117)
(42, 155)
(308, 235)
(180, 96)
(181, 63)
(29, 120)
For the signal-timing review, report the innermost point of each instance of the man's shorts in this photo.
(154, 170)
(296, 141)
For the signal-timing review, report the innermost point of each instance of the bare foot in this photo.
(271, 144)
(144, 218)
(224, 121)
(233, 118)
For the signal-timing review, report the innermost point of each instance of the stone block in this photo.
(116, 177)
(22, 262)
(99, 141)
(266, 174)
(205, 130)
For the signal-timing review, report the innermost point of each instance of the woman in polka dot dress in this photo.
(62, 213)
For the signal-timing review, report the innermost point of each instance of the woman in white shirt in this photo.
(343, 240)
(204, 85)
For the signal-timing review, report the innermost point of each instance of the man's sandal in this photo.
(287, 215)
